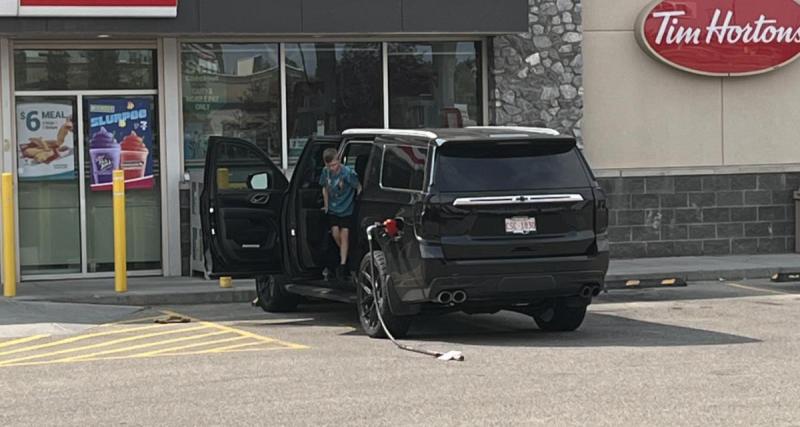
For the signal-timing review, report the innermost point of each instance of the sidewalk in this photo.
(149, 291)
(142, 291)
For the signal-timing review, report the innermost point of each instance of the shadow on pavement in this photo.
(598, 330)
(506, 329)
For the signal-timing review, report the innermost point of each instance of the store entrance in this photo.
(69, 142)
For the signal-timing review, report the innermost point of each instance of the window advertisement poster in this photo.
(46, 141)
(121, 137)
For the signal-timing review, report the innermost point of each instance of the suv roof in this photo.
(468, 134)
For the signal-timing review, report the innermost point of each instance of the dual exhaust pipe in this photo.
(589, 291)
(451, 297)
(459, 296)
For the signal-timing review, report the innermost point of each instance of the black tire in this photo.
(560, 317)
(273, 297)
(367, 316)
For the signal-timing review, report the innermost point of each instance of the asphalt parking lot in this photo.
(714, 353)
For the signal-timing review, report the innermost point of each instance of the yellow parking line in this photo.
(171, 351)
(22, 340)
(239, 331)
(184, 347)
(78, 338)
(138, 347)
(226, 348)
(195, 353)
(769, 291)
(102, 344)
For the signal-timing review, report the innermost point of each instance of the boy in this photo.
(339, 188)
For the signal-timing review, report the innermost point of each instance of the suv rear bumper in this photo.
(505, 282)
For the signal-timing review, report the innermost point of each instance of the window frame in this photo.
(403, 190)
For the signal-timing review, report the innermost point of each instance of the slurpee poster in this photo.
(121, 137)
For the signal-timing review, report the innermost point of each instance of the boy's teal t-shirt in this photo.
(341, 190)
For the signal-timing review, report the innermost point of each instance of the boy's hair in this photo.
(328, 155)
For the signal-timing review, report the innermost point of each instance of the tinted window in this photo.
(497, 166)
(331, 87)
(434, 84)
(403, 167)
(235, 163)
(92, 69)
(231, 89)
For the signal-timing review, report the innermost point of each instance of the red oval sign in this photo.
(721, 37)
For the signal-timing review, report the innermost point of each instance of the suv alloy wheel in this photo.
(368, 303)
(272, 297)
(560, 316)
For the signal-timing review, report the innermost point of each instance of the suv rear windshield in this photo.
(499, 166)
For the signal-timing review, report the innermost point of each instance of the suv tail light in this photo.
(600, 211)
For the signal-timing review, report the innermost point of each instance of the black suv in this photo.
(489, 218)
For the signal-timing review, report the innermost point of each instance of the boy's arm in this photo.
(325, 199)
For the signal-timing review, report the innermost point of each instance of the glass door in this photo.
(49, 187)
(81, 114)
(121, 132)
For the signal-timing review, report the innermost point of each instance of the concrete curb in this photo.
(184, 298)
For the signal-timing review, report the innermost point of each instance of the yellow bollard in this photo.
(225, 282)
(120, 256)
(9, 243)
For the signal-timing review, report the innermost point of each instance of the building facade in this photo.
(692, 164)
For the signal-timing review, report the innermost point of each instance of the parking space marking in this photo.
(139, 347)
(19, 341)
(76, 339)
(162, 340)
(99, 345)
(179, 349)
(752, 288)
(241, 332)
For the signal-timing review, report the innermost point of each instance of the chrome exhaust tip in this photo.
(596, 291)
(444, 297)
(586, 292)
(459, 297)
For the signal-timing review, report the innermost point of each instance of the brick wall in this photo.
(701, 215)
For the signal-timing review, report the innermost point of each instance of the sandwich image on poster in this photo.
(46, 141)
(121, 137)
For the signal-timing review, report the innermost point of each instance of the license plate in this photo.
(520, 225)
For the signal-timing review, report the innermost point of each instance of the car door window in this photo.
(403, 167)
(235, 164)
(356, 156)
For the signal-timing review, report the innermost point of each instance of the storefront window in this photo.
(94, 69)
(230, 90)
(434, 84)
(331, 87)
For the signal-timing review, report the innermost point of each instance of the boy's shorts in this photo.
(341, 221)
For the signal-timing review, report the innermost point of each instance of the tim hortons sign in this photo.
(90, 8)
(722, 37)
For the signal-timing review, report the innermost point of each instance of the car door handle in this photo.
(259, 199)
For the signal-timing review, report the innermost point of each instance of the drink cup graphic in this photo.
(134, 156)
(105, 154)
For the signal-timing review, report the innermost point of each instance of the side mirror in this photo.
(259, 181)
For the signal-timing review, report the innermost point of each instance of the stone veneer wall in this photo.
(536, 78)
(701, 215)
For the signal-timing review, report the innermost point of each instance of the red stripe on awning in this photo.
(101, 3)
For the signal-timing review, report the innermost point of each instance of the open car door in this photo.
(241, 207)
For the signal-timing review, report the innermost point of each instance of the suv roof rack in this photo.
(546, 131)
(398, 132)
